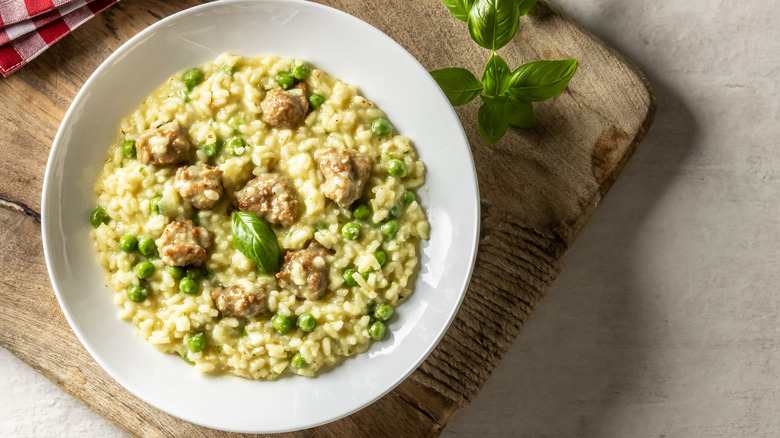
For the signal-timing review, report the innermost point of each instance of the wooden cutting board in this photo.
(538, 188)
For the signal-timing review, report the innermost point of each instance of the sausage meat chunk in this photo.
(346, 172)
(285, 109)
(306, 272)
(182, 243)
(163, 146)
(235, 301)
(271, 196)
(200, 185)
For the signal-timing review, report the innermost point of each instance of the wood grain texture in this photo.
(538, 188)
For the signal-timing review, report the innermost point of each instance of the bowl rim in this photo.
(47, 224)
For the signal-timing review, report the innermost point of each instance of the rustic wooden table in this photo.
(538, 188)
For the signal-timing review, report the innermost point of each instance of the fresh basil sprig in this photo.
(257, 241)
(506, 94)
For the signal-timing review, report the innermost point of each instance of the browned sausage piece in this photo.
(200, 185)
(285, 109)
(271, 196)
(305, 272)
(163, 146)
(346, 172)
(182, 244)
(237, 302)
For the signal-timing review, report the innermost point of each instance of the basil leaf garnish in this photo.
(493, 23)
(493, 119)
(526, 6)
(495, 78)
(256, 240)
(459, 8)
(541, 80)
(459, 85)
(521, 114)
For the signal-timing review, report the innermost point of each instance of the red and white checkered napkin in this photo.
(28, 27)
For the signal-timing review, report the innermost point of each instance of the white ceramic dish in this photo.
(346, 48)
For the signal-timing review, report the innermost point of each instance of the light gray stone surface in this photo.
(665, 319)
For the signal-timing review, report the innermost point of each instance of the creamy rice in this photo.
(225, 104)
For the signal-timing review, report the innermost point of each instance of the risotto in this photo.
(258, 217)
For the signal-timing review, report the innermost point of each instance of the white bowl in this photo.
(346, 48)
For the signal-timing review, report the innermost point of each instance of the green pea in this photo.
(300, 71)
(146, 246)
(394, 212)
(371, 306)
(235, 145)
(234, 122)
(378, 330)
(316, 100)
(381, 126)
(349, 280)
(281, 323)
(298, 361)
(383, 312)
(128, 243)
(128, 148)
(195, 273)
(143, 269)
(188, 286)
(409, 197)
(177, 272)
(320, 226)
(381, 257)
(229, 69)
(184, 94)
(197, 342)
(97, 217)
(361, 212)
(397, 168)
(306, 322)
(154, 204)
(192, 78)
(285, 80)
(389, 228)
(211, 150)
(136, 294)
(351, 231)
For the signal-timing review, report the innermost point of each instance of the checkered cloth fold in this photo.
(28, 27)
